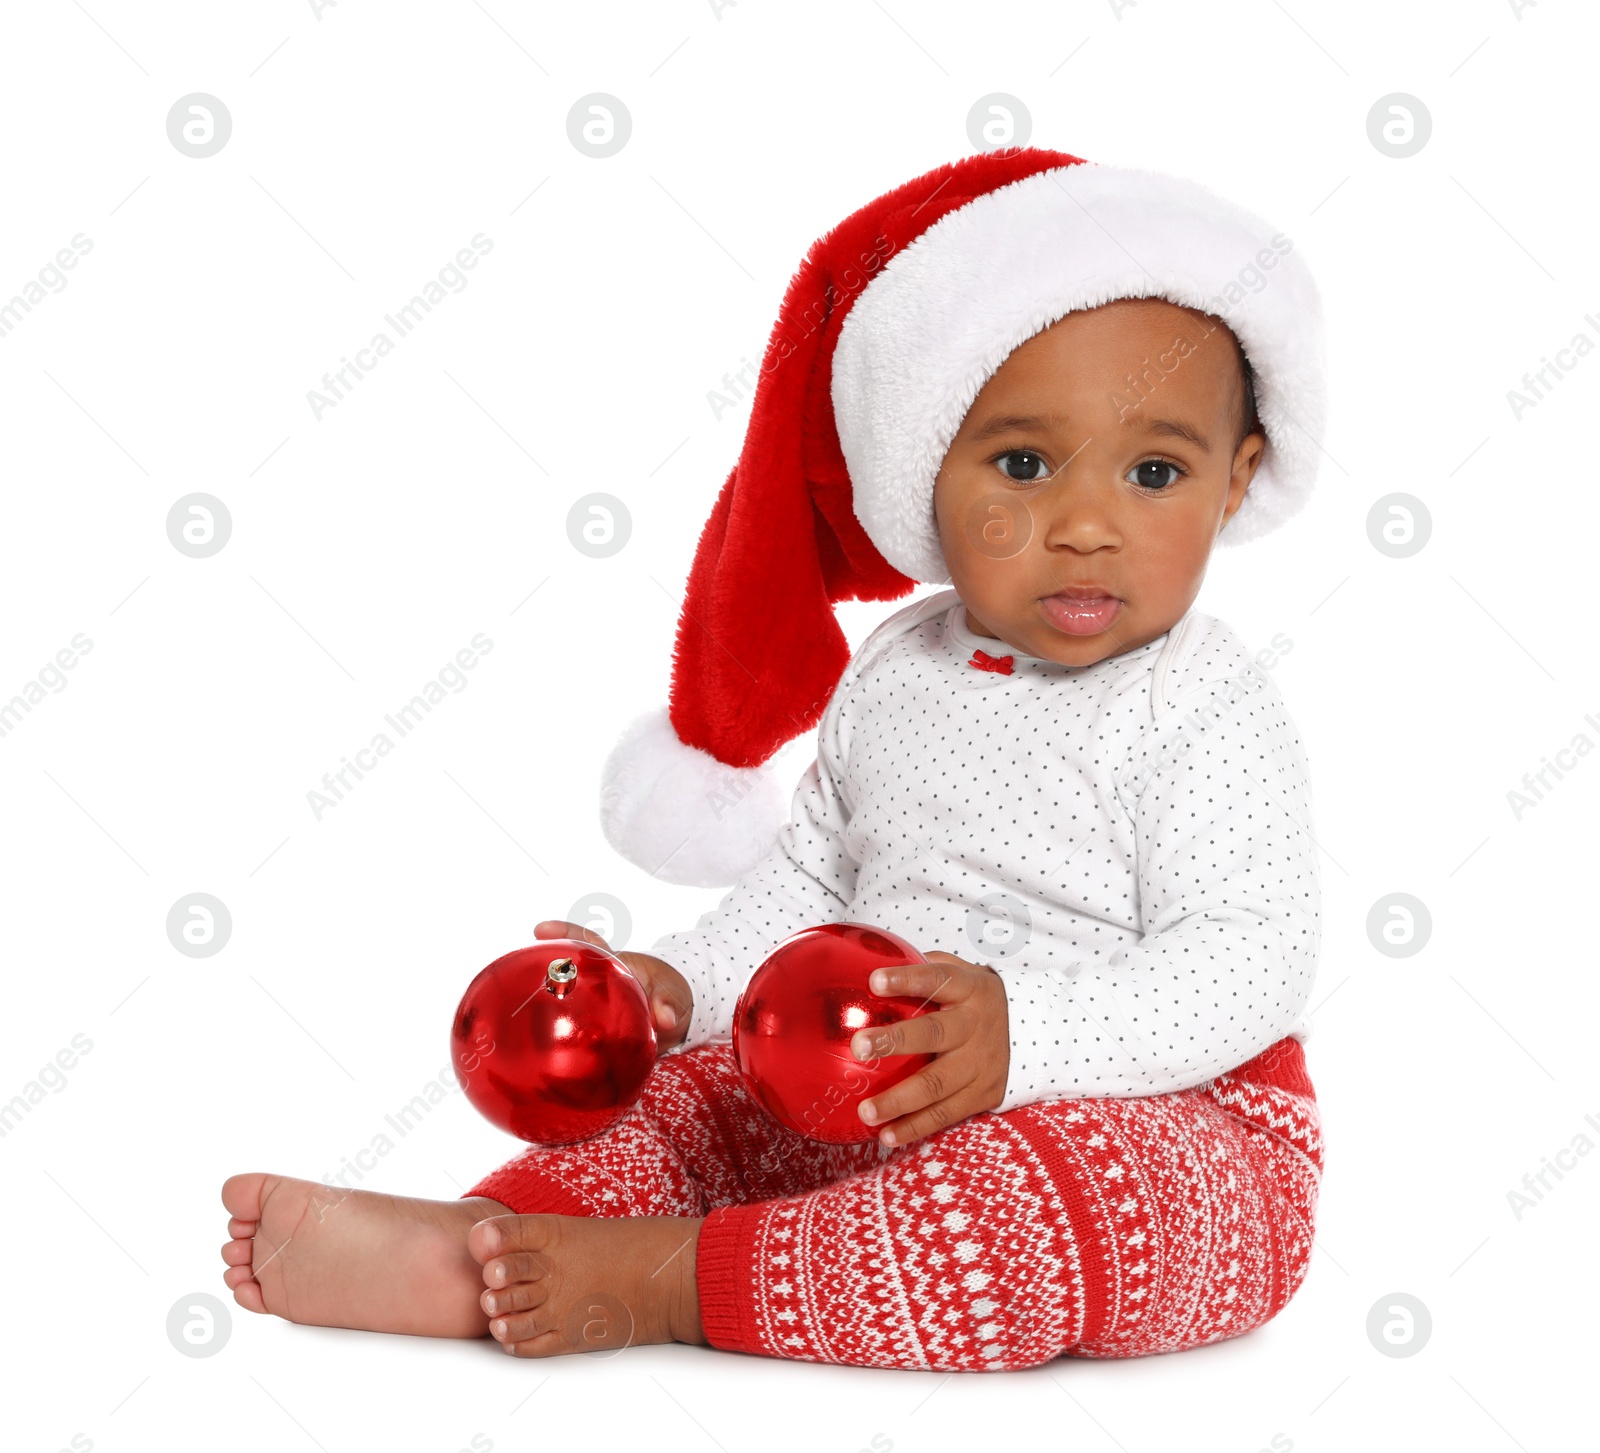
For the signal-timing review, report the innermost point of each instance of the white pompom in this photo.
(682, 815)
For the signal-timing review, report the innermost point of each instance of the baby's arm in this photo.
(808, 878)
(1230, 902)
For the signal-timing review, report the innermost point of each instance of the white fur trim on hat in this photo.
(682, 815)
(933, 327)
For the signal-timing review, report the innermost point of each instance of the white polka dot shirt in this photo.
(1129, 844)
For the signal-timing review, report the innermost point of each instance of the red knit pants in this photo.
(1077, 1228)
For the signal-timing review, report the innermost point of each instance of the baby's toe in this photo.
(522, 1296)
(242, 1229)
(514, 1266)
(518, 1327)
(242, 1195)
(496, 1234)
(245, 1288)
(238, 1252)
(546, 1344)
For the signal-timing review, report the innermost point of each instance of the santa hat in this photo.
(894, 321)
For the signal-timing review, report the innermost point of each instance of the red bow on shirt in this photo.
(985, 662)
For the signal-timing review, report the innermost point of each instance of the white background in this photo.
(368, 547)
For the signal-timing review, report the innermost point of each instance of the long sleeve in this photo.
(808, 878)
(1229, 907)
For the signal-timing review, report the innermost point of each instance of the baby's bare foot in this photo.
(580, 1283)
(336, 1258)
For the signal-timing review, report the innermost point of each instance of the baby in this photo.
(1057, 766)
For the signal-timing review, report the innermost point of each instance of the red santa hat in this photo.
(894, 321)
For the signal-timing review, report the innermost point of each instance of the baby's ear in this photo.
(1247, 457)
(1246, 460)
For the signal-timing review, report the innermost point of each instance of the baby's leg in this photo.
(339, 1258)
(1093, 1228)
(694, 1140)
(603, 1251)
(342, 1258)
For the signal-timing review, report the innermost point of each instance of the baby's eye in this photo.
(1155, 474)
(1031, 466)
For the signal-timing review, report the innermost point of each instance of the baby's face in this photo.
(1104, 452)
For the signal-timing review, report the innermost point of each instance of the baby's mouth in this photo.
(1080, 617)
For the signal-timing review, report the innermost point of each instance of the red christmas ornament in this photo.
(554, 1042)
(794, 1021)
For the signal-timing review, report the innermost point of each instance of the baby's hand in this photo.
(970, 1035)
(671, 998)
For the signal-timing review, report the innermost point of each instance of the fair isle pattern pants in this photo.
(1077, 1228)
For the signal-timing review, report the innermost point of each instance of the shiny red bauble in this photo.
(794, 1021)
(553, 1043)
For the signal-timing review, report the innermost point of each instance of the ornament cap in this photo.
(559, 976)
